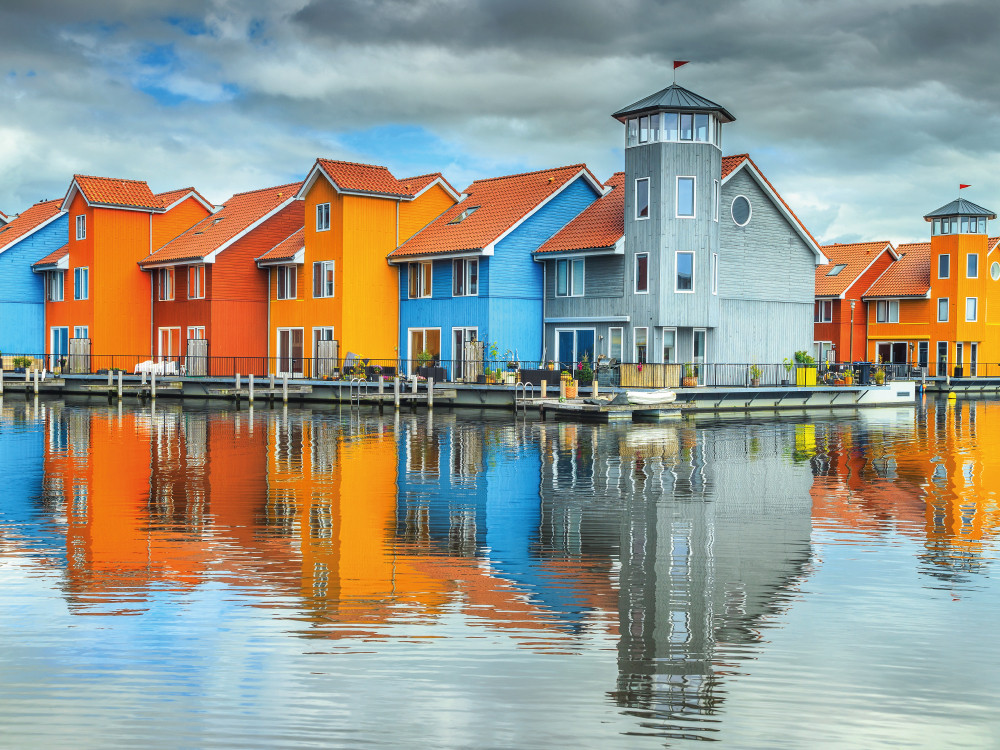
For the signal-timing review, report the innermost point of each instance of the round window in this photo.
(995, 271)
(741, 210)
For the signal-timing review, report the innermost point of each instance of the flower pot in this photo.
(784, 381)
(689, 382)
(572, 388)
(755, 382)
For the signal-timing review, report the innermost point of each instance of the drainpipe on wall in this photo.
(269, 316)
(152, 337)
(852, 330)
(545, 302)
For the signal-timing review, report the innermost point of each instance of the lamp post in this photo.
(853, 302)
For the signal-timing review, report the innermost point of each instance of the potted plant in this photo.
(805, 370)
(551, 365)
(572, 388)
(755, 375)
(788, 364)
(848, 378)
(690, 379)
(22, 363)
(586, 374)
(879, 376)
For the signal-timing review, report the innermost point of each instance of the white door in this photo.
(290, 352)
(459, 338)
(170, 343)
(699, 353)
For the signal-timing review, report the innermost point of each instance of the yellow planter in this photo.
(805, 375)
(571, 389)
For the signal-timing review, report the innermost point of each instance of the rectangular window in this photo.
(944, 266)
(322, 217)
(81, 283)
(54, 290)
(465, 277)
(166, 284)
(288, 282)
(323, 279)
(615, 347)
(196, 282)
(824, 311)
(943, 310)
(670, 126)
(715, 200)
(669, 345)
(970, 309)
(685, 272)
(640, 344)
(972, 266)
(632, 131)
(641, 273)
(569, 277)
(196, 332)
(715, 273)
(642, 198)
(687, 127)
(654, 128)
(643, 129)
(887, 311)
(321, 333)
(685, 197)
(81, 332)
(420, 280)
(942, 357)
(701, 128)
(81, 227)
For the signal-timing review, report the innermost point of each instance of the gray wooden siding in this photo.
(761, 331)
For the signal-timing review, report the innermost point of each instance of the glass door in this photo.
(565, 341)
(170, 343)
(461, 337)
(290, 352)
(58, 346)
(973, 358)
(699, 352)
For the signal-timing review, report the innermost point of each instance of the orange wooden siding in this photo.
(415, 215)
(70, 312)
(176, 221)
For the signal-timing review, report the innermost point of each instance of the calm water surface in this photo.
(201, 577)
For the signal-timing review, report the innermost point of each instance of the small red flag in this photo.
(679, 63)
(961, 186)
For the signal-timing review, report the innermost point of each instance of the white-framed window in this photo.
(569, 277)
(887, 311)
(942, 357)
(644, 129)
(632, 132)
(972, 266)
(465, 277)
(669, 345)
(81, 283)
(685, 197)
(944, 266)
(421, 279)
(321, 333)
(654, 128)
(287, 282)
(642, 273)
(81, 226)
(942, 314)
(323, 276)
(741, 210)
(322, 217)
(640, 336)
(196, 282)
(823, 312)
(166, 284)
(971, 303)
(684, 263)
(687, 126)
(615, 343)
(715, 273)
(81, 332)
(55, 281)
(642, 198)
(196, 332)
(715, 200)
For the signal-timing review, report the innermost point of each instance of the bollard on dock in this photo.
(1, 382)
(251, 387)
(38, 376)
(395, 391)
(152, 385)
(430, 393)
(120, 389)
(543, 388)
(284, 389)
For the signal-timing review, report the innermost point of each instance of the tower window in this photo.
(685, 197)
(642, 198)
(944, 266)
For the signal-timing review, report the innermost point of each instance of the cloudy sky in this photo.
(865, 115)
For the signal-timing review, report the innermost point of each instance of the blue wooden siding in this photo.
(22, 292)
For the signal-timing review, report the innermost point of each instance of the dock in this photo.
(579, 410)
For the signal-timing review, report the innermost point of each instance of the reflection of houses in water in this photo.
(712, 528)
(928, 474)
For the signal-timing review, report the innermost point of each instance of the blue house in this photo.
(469, 275)
(25, 239)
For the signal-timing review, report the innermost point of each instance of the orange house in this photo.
(839, 317)
(206, 285)
(93, 288)
(941, 301)
(333, 282)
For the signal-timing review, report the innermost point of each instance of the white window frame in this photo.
(81, 332)
(286, 280)
(663, 345)
(322, 217)
(699, 365)
(81, 226)
(968, 258)
(316, 339)
(52, 277)
(716, 198)
(196, 332)
(621, 342)
(196, 281)
(86, 283)
(165, 282)
(169, 339)
(823, 306)
(571, 290)
(463, 267)
(423, 273)
(635, 280)
(649, 202)
(677, 255)
(975, 309)
(887, 311)
(635, 343)
(327, 288)
(715, 273)
(947, 258)
(694, 197)
(947, 303)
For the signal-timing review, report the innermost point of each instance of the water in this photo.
(202, 577)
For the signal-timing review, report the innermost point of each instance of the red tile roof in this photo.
(286, 249)
(600, 225)
(109, 191)
(29, 220)
(362, 178)
(3, 216)
(729, 163)
(499, 203)
(414, 185)
(856, 257)
(237, 215)
(170, 197)
(910, 276)
(52, 258)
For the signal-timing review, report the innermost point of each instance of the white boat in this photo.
(651, 398)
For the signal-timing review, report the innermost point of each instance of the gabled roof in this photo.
(960, 207)
(213, 234)
(417, 185)
(113, 193)
(29, 222)
(856, 258)
(674, 97)
(910, 276)
(352, 177)
(4, 218)
(56, 259)
(600, 225)
(492, 208)
(171, 198)
(741, 162)
(286, 251)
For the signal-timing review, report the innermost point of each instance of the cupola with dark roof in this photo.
(673, 114)
(959, 217)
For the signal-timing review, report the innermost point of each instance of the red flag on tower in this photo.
(679, 63)
(962, 187)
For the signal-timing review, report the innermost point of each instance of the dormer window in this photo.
(836, 269)
(464, 215)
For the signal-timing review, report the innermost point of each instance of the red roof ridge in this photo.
(352, 163)
(528, 174)
(295, 185)
(118, 179)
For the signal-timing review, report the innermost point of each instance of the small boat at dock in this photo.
(651, 398)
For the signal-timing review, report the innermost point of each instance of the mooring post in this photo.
(38, 375)
(284, 388)
(250, 381)
(1, 381)
(562, 388)
(120, 389)
(594, 383)
(430, 393)
(110, 381)
(152, 385)
(543, 388)
(395, 391)
(27, 375)
(381, 385)
(414, 383)
(143, 377)
(237, 385)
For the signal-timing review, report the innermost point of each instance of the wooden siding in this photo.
(22, 292)
(177, 221)
(416, 214)
(760, 331)
(71, 313)
(120, 291)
